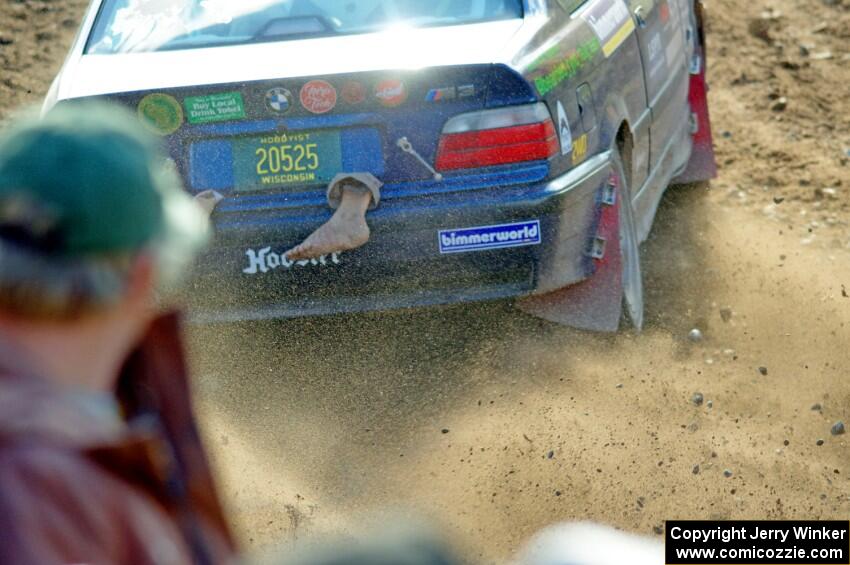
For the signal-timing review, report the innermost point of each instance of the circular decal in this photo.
(665, 12)
(318, 96)
(354, 92)
(279, 100)
(391, 92)
(161, 113)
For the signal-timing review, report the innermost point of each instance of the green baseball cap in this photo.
(85, 180)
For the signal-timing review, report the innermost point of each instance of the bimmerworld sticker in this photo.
(215, 108)
(611, 22)
(482, 238)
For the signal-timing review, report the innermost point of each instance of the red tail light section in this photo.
(497, 146)
(497, 137)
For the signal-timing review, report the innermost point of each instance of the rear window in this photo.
(124, 26)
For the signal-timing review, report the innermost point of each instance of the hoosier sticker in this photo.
(266, 260)
(611, 22)
(482, 238)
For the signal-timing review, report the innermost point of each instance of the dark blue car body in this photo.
(623, 90)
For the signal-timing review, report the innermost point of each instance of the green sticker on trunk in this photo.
(215, 108)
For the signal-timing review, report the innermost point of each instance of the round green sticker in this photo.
(161, 113)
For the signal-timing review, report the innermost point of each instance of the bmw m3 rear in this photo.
(493, 188)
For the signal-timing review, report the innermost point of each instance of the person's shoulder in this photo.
(41, 467)
(57, 505)
(49, 490)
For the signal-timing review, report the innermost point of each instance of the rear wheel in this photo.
(629, 250)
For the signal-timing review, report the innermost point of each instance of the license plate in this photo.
(286, 159)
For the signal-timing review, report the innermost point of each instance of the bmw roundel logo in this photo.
(279, 100)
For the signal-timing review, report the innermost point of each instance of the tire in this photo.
(632, 281)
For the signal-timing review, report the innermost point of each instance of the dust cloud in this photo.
(495, 424)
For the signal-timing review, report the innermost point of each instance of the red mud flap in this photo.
(596, 303)
(702, 166)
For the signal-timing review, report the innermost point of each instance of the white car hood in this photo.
(92, 75)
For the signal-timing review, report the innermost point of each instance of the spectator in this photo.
(100, 460)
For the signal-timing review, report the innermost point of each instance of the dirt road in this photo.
(497, 424)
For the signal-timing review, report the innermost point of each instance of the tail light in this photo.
(497, 137)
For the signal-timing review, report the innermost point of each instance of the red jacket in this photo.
(76, 488)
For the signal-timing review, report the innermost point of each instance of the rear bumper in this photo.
(242, 277)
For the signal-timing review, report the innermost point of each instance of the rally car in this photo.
(523, 144)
